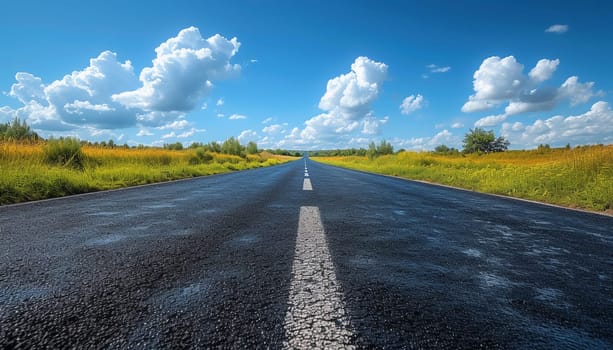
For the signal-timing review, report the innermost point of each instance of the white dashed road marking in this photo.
(316, 316)
(306, 185)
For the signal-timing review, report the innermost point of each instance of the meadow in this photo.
(580, 177)
(26, 172)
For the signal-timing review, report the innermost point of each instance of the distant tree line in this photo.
(476, 140)
(373, 151)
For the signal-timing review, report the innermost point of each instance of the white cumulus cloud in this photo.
(496, 81)
(501, 81)
(543, 70)
(273, 128)
(182, 72)
(107, 94)
(594, 126)
(346, 105)
(412, 103)
(491, 120)
(247, 136)
(79, 100)
(575, 91)
(28, 88)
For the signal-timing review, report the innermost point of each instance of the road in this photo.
(303, 255)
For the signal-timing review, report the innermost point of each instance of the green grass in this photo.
(580, 177)
(35, 171)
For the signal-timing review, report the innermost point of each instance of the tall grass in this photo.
(43, 170)
(580, 177)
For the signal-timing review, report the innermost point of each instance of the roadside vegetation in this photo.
(32, 168)
(580, 177)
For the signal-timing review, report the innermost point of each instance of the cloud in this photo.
(80, 99)
(575, 91)
(594, 126)
(219, 102)
(443, 137)
(496, 81)
(107, 94)
(190, 133)
(182, 72)
(170, 135)
(557, 29)
(247, 135)
(457, 125)
(500, 81)
(346, 105)
(6, 114)
(175, 125)
(28, 88)
(267, 120)
(273, 128)
(491, 120)
(237, 117)
(144, 132)
(436, 69)
(543, 70)
(412, 103)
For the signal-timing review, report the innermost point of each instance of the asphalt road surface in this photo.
(303, 255)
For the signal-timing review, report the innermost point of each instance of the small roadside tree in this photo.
(478, 140)
(252, 148)
(385, 148)
(232, 146)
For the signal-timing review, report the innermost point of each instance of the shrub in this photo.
(65, 152)
(200, 156)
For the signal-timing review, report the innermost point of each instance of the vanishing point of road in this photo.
(303, 255)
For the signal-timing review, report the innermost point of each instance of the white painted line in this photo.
(316, 317)
(306, 185)
(306, 174)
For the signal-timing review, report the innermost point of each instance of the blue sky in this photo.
(310, 74)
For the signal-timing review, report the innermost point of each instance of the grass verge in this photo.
(578, 178)
(26, 173)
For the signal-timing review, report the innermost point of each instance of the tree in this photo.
(177, 146)
(444, 149)
(385, 148)
(372, 150)
(481, 141)
(17, 131)
(381, 150)
(252, 148)
(232, 146)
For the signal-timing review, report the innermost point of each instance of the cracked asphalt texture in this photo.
(207, 263)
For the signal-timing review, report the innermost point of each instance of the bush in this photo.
(65, 152)
(200, 156)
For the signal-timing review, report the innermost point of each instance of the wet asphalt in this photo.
(207, 263)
